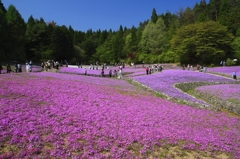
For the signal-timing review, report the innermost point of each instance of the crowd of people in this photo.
(153, 68)
(113, 73)
(117, 72)
(50, 64)
(17, 67)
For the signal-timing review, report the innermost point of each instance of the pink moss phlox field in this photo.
(130, 71)
(224, 91)
(80, 71)
(226, 70)
(164, 82)
(113, 82)
(34, 69)
(65, 117)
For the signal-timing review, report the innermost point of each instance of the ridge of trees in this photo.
(205, 34)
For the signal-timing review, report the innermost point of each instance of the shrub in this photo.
(230, 62)
(212, 65)
(73, 61)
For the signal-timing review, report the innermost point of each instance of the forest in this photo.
(205, 34)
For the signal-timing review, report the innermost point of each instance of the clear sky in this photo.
(96, 14)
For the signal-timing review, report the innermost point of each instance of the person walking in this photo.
(1, 68)
(8, 68)
(16, 68)
(85, 71)
(234, 75)
(110, 73)
(147, 70)
(27, 67)
(120, 74)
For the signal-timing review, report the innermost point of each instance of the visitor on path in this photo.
(147, 69)
(42, 65)
(160, 68)
(16, 68)
(27, 67)
(102, 73)
(19, 67)
(234, 75)
(1, 68)
(120, 74)
(85, 71)
(8, 68)
(57, 65)
(205, 69)
(115, 73)
(30, 65)
(110, 73)
(183, 67)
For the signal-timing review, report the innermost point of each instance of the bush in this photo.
(212, 65)
(230, 62)
(73, 61)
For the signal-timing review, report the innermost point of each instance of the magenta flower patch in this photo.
(226, 70)
(44, 115)
(164, 82)
(223, 91)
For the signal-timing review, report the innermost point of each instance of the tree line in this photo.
(205, 34)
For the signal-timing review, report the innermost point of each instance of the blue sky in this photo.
(96, 14)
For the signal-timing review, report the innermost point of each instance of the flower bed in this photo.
(127, 71)
(34, 69)
(226, 70)
(112, 82)
(63, 117)
(164, 82)
(80, 71)
(212, 92)
(229, 92)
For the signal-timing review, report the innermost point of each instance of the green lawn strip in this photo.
(216, 102)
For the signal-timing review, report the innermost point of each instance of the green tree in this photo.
(103, 37)
(17, 29)
(188, 16)
(4, 36)
(71, 31)
(229, 15)
(118, 45)
(205, 43)
(79, 54)
(236, 46)
(78, 37)
(104, 53)
(89, 46)
(139, 34)
(153, 38)
(130, 48)
(154, 16)
(62, 44)
(2, 8)
(214, 8)
(224, 13)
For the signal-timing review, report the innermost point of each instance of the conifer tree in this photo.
(154, 16)
(17, 29)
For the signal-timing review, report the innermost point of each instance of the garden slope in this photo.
(67, 117)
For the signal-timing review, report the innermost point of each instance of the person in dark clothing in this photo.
(1, 68)
(147, 69)
(8, 68)
(102, 73)
(16, 68)
(234, 75)
(110, 73)
(85, 71)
